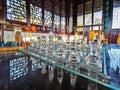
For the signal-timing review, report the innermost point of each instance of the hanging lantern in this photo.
(33, 29)
(27, 29)
(63, 32)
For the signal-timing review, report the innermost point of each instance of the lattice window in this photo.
(48, 13)
(116, 15)
(88, 14)
(114, 54)
(56, 21)
(48, 18)
(37, 3)
(63, 23)
(98, 12)
(16, 10)
(88, 19)
(80, 20)
(56, 7)
(98, 17)
(56, 14)
(36, 15)
(80, 15)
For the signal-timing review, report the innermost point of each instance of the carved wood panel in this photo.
(112, 37)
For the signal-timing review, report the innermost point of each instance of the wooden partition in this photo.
(112, 36)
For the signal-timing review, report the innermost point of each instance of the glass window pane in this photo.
(62, 23)
(56, 14)
(88, 14)
(48, 18)
(80, 20)
(48, 13)
(88, 19)
(97, 17)
(56, 21)
(80, 15)
(98, 4)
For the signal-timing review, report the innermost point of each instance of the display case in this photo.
(95, 75)
(98, 66)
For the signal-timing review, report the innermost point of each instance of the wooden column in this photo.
(0, 32)
(107, 15)
(43, 22)
(28, 12)
(74, 16)
(2, 10)
(67, 15)
(2, 28)
(84, 13)
(92, 13)
(3, 17)
(5, 11)
(107, 21)
(53, 5)
(60, 1)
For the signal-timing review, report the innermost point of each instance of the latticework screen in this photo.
(16, 10)
(116, 15)
(35, 15)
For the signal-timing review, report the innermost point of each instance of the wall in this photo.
(8, 36)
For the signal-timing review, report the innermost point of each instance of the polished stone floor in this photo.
(36, 80)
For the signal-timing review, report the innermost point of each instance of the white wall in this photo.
(8, 36)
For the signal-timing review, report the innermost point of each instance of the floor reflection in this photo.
(25, 73)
